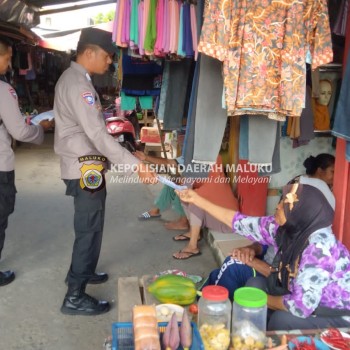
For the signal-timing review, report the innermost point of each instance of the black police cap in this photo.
(99, 37)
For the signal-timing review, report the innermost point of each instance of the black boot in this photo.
(6, 277)
(97, 278)
(77, 302)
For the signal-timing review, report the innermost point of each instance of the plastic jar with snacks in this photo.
(249, 313)
(214, 318)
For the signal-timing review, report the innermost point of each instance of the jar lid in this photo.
(217, 293)
(250, 297)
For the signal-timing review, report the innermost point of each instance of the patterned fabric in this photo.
(264, 44)
(323, 278)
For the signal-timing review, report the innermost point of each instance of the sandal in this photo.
(147, 216)
(182, 237)
(189, 255)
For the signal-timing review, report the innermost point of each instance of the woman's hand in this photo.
(188, 196)
(244, 254)
(47, 125)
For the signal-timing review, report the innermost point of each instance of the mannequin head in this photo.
(325, 92)
(5, 55)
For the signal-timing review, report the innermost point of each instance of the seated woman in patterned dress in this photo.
(309, 283)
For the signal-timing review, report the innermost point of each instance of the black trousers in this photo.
(283, 320)
(7, 201)
(89, 213)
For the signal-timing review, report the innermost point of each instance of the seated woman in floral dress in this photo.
(309, 283)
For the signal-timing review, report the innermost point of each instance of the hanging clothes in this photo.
(261, 140)
(134, 32)
(276, 157)
(341, 127)
(306, 123)
(157, 27)
(211, 118)
(141, 77)
(174, 109)
(188, 145)
(264, 45)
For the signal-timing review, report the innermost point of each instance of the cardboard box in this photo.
(150, 135)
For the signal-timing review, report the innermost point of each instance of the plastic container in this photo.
(249, 313)
(123, 337)
(214, 318)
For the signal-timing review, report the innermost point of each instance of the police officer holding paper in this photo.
(85, 147)
(12, 123)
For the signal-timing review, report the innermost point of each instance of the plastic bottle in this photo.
(214, 318)
(249, 313)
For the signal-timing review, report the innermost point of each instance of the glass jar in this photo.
(214, 318)
(249, 314)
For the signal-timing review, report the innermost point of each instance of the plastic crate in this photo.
(123, 337)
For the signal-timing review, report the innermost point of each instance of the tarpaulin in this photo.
(17, 12)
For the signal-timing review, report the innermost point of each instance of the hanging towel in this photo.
(115, 22)
(261, 139)
(134, 31)
(211, 119)
(159, 23)
(187, 44)
(141, 31)
(180, 50)
(125, 37)
(151, 30)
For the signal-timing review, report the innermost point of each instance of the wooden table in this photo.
(133, 291)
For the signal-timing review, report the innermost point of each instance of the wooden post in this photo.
(341, 188)
(233, 146)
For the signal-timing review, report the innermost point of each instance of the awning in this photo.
(18, 33)
(67, 40)
(18, 13)
(27, 12)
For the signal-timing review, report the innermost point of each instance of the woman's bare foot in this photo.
(180, 224)
(154, 211)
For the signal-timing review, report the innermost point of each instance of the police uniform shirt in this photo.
(12, 123)
(80, 129)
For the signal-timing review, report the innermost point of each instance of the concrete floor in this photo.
(38, 248)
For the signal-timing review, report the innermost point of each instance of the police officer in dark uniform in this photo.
(83, 144)
(12, 123)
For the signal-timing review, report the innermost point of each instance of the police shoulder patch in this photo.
(89, 98)
(13, 93)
